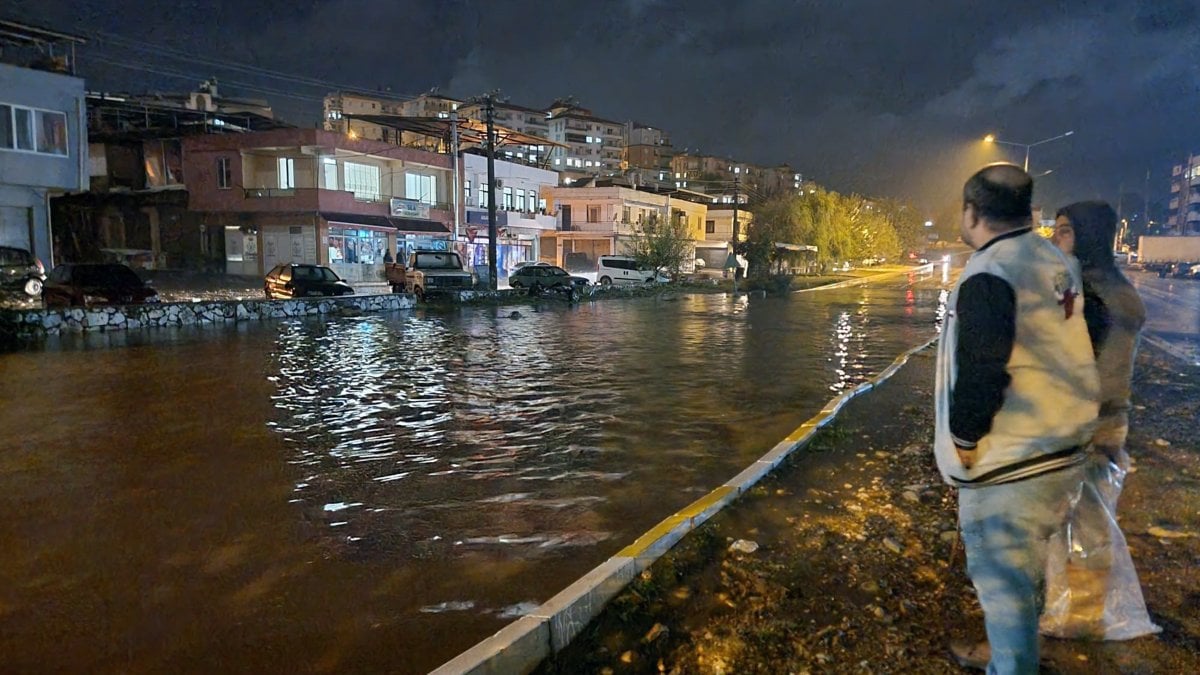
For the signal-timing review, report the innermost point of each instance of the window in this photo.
(287, 173)
(542, 205)
(593, 214)
(508, 199)
(625, 214)
(420, 187)
(533, 200)
(710, 227)
(362, 180)
(520, 200)
(483, 196)
(467, 191)
(331, 173)
(41, 131)
(224, 173)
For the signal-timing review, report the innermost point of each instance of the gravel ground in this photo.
(858, 566)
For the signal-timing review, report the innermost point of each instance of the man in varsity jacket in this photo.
(1017, 396)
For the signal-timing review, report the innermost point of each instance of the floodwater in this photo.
(376, 494)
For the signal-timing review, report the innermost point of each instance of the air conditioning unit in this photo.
(499, 183)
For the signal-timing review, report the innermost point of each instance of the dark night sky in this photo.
(884, 97)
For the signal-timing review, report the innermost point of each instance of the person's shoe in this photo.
(974, 655)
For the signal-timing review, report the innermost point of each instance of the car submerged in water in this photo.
(21, 271)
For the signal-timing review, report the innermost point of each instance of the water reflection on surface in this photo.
(378, 493)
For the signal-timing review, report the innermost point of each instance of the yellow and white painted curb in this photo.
(520, 646)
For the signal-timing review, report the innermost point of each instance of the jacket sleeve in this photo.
(987, 326)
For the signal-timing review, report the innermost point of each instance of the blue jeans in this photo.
(1005, 530)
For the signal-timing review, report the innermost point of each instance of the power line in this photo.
(194, 77)
(130, 43)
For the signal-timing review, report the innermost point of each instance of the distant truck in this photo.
(429, 272)
(1167, 255)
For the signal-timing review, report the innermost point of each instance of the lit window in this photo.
(557, 161)
(420, 187)
(362, 180)
(331, 173)
(286, 173)
(520, 200)
(508, 199)
(467, 191)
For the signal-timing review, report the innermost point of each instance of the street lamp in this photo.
(991, 138)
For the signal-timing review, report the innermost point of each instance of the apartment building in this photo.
(313, 196)
(1183, 209)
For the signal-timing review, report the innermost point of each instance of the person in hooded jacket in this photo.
(1114, 314)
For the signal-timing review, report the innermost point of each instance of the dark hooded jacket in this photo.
(1114, 313)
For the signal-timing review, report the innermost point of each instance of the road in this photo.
(1172, 314)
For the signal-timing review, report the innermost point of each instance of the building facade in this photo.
(1183, 210)
(522, 211)
(312, 196)
(43, 152)
(592, 146)
(604, 220)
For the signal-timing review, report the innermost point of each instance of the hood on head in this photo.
(1095, 225)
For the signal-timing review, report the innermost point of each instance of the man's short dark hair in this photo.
(1002, 194)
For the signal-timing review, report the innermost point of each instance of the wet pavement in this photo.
(378, 493)
(1172, 314)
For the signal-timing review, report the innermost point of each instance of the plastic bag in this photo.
(1092, 589)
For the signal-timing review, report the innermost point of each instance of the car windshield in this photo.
(313, 273)
(447, 261)
(15, 256)
(105, 275)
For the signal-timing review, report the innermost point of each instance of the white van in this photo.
(621, 269)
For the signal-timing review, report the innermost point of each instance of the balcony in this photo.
(268, 193)
(603, 226)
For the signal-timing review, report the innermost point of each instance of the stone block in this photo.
(570, 611)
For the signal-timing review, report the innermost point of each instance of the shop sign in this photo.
(409, 208)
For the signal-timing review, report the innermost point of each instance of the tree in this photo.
(661, 245)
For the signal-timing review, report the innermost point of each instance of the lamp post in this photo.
(991, 138)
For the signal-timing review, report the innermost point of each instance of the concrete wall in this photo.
(36, 322)
(27, 179)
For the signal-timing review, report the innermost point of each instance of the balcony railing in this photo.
(267, 193)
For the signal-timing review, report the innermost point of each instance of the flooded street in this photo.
(378, 493)
(1172, 314)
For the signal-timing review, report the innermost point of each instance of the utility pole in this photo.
(736, 229)
(490, 111)
(457, 164)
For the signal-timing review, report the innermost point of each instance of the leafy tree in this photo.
(661, 245)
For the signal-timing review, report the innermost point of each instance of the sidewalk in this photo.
(857, 569)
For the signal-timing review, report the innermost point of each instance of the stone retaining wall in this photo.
(160, 315)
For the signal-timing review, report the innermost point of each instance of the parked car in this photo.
(91, 284)
(20, 270)
(530, 263)
(549, 277)
(432, 272)
(294, 280)
(620, 269)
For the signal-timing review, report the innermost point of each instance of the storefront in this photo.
(355, 245)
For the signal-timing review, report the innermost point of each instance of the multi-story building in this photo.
(519, 119)
(312, 196)
(604, 219)
(718, 233)
(136, 209)
(43, 137)
(719, 175)
(646, 147)
(522, 212)
(592, 146)
(341, 106)
(1184, 208)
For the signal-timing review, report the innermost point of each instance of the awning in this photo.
(404, 225)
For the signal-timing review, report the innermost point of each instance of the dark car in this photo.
(545, 277)
(88, 284)
(292, 280)
(21, 271)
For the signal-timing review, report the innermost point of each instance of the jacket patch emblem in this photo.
(1066, 293)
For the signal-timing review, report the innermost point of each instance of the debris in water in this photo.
(744, 546)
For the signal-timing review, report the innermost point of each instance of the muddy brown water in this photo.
(378, 493)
